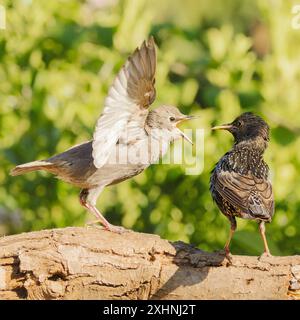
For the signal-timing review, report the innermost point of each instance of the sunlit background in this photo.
(216, 59)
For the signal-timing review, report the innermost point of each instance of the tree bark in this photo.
(89, 263)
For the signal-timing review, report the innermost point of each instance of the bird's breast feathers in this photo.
(245, 188)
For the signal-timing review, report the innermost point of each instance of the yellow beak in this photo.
(222, 127)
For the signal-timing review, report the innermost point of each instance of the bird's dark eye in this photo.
(239, 123)
(172, 119)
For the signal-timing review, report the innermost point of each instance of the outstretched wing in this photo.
(129, 97)
(247, 193)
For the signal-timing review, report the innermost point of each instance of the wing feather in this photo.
(131, 93)
(247, 193)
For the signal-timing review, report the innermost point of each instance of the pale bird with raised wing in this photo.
(127, 138)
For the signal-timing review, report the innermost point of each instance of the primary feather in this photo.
(126, 105)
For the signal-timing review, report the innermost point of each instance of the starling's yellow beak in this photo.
(222, 127)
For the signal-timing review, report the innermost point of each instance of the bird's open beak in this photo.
(222, 127)
(185, 118)
(184, 136)
(191, 117)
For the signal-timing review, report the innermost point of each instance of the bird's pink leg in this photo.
(232, 230)
(227, 245)
(83, 198)
(262, 231)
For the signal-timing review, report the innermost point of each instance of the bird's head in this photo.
(163, 122)
(247, 127)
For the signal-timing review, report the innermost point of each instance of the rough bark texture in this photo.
(88, 263)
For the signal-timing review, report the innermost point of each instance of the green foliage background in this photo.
(216, 59)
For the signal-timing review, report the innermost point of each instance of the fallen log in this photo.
(89, 263)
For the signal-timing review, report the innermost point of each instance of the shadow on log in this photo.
(89, 263)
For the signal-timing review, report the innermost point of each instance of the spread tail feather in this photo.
(30, 166)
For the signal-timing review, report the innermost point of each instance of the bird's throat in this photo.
(258, 144)
(248, 157)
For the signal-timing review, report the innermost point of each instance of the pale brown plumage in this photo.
(126, 105)
(125, 128)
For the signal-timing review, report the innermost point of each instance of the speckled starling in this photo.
(239, 183)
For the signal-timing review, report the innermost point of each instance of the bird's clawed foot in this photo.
(228, 255)
(108, 226)
(266, 254)
(116, 229)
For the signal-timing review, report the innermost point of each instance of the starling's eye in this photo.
(172, 119)
(239, 123)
